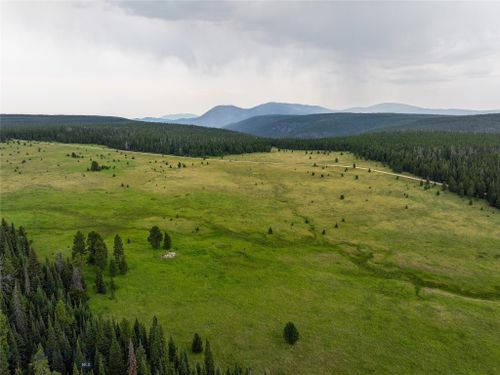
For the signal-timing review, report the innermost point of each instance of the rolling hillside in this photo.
(344, 124)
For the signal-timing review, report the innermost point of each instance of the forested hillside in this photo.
(46, 326)
(344, 124)
(468, 164)
(22, 120)
(489, 123)
(130, 135)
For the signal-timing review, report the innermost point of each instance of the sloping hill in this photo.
(343, 124)
(127, 134)
(18, 120)
(222, 115)
(476, 124)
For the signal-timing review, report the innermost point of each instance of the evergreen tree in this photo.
(100, 286)
(94, 166)
(118, 248)
(197, 344)
(101, 254)
(115, 361)
(270, 230)
(112, 268)
(122, 265)
(78, 249)
(143, 367)
(39, 363)
(209, 361)
(155, 237)
(4, 344)
(172, 350)
(167, 241)
(101, 368)
(33, 268)
(290, 333)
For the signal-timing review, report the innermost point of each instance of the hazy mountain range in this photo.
(406, 108)
(224, 115)
(168, 118)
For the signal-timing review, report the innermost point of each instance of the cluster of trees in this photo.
(156, 237)
(94, 251)
(122, 134)
(95, 167)
(468, 164)
(47, 328)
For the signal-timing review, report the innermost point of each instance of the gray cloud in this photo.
(136, 58)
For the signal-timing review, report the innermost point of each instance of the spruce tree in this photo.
(115, 361)
(167, 241)
(155, 237)
(39, 364)
(101, 368)
(290, 333)
(118, 248)
(197, 344)
(112, 268)
(270, 230)
(172, 350)
(143, 367)
(101, 254)
(209, 360)
(78, 249)
(122, 265)
(100, 286)
(92, 239)
(4, 344)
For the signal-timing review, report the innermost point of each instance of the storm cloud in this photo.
(153, 58)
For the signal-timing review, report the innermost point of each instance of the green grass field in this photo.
(351, 292)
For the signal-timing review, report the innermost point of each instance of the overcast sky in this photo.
(154, 58)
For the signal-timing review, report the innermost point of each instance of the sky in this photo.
(151, 58)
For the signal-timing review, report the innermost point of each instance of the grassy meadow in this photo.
(358, 292)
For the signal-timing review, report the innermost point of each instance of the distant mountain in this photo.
(222, 115)
(168, 118)
(406, 108)
(343, 124)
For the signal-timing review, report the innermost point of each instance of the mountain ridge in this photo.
(225, 114)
